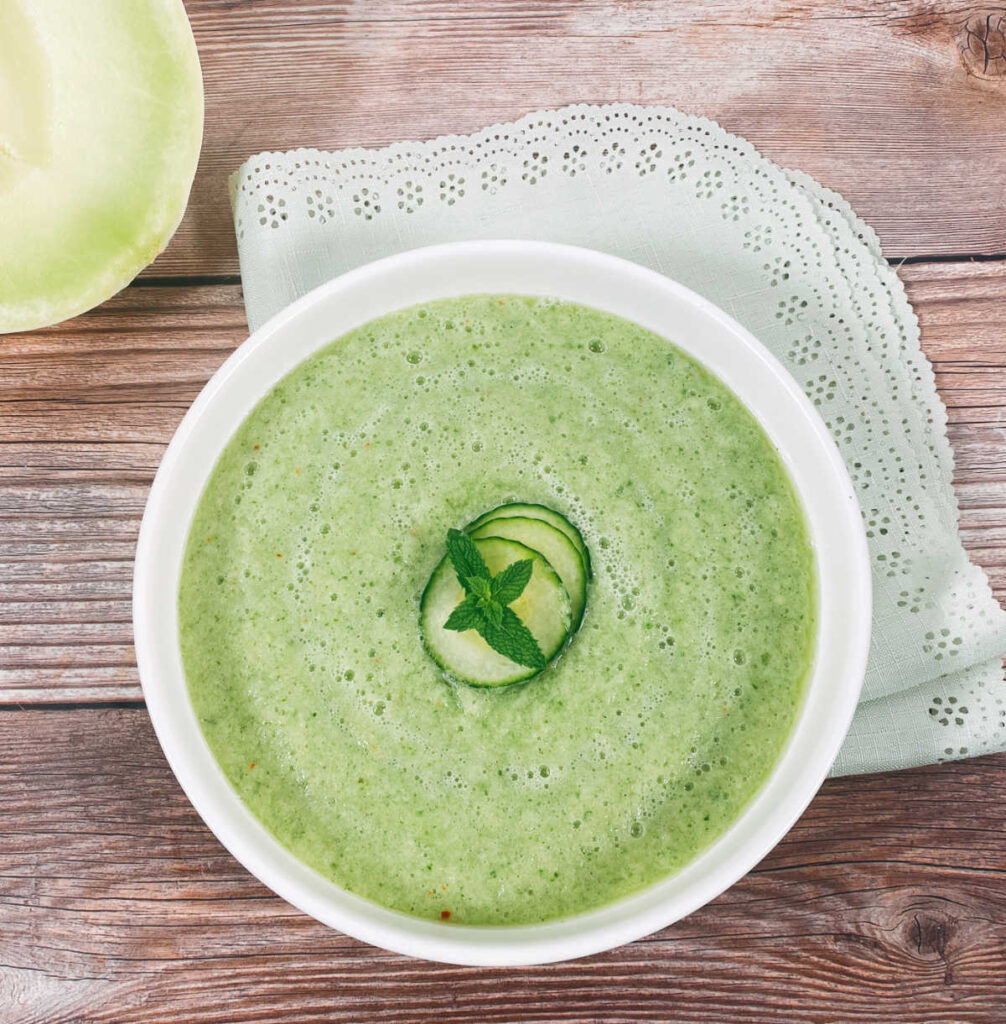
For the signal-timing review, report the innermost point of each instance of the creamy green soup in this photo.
(319, 529)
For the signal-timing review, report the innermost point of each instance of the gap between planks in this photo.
(74, 472)
(209, 280)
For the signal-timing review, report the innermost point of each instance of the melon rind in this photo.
(100, 134)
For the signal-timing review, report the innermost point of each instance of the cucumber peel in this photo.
(543, 607)
(553, 545)
(530, 510)
(507, 597)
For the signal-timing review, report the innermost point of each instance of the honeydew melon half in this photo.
(101, 121)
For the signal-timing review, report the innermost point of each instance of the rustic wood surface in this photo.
(886, 902)
(119, 905)
(888, 101)
(86, 409)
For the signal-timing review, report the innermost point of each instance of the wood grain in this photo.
(117, 906)
(886, 102)
(87, 408)
(960, 309)
(886, 902)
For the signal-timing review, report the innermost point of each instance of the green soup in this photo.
(319, 529)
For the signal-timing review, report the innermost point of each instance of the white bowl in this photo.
(607, 283)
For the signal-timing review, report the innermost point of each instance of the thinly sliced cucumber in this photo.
(554, 546)
(527, 510)
(543, 607)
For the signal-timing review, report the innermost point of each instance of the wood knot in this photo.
(929, 935)
(930, 931)
(982, 40)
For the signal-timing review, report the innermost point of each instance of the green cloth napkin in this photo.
(786, 257)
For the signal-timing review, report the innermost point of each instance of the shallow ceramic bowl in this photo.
(526, 268)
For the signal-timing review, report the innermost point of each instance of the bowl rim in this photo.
(815, 738)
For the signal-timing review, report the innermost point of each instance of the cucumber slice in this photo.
(526, 510)
(544, 608)
(554, 546)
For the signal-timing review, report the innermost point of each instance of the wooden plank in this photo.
(880, 101)
(86, 409)
(886, 901)
(959, 307)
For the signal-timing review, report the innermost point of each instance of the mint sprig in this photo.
(487, 597)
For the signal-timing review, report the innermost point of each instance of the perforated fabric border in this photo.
(785, 256)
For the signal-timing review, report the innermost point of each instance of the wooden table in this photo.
(886, 902)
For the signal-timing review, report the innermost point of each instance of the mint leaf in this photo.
(513, 640)
(465, 558)
(509, 584)
(467, 615)
(493, 611)
(484, 607)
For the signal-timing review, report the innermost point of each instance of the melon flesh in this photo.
(101, 120)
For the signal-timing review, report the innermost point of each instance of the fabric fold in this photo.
(785, 256)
